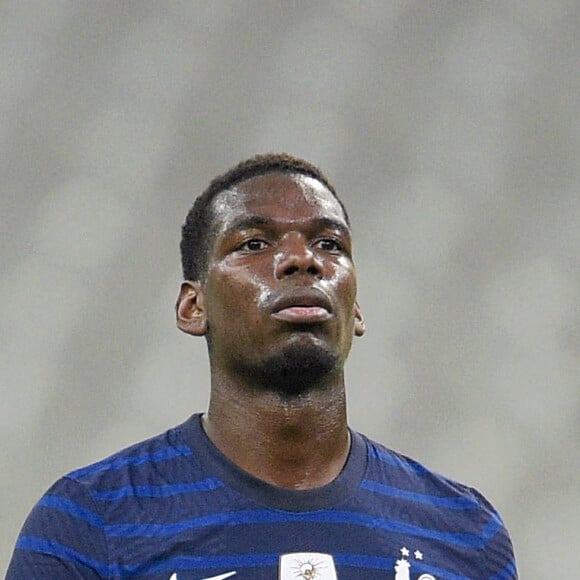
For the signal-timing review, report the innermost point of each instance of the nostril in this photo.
(313, 270)
(291, 270)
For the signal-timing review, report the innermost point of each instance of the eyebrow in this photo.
(330, 224)
(255, 221)
(247, 223)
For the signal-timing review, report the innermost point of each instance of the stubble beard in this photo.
(294, 371)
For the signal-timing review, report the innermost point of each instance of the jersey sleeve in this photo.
(62, 538)
(498, 552)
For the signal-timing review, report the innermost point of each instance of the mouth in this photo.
(303, 306)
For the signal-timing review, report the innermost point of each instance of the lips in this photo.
(302, 306)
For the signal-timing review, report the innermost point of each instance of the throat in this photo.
(296, 444)
(307, 465)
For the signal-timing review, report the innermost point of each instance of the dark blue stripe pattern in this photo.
(160, 508)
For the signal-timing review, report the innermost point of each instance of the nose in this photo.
(296, 257)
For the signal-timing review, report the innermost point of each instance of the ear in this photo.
(359, 323)
(189, 309)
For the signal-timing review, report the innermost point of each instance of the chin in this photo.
(299, 367)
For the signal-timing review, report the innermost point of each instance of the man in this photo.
(270, 483)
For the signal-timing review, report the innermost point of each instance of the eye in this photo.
(254, 245)
(329, 245)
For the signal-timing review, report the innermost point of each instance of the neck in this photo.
(297, 442)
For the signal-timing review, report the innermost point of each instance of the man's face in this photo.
(280, 290)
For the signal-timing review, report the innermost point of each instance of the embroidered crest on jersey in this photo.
(307, 566)
(403, 565)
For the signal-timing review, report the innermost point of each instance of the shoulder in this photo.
(412, 490)
(96, 494)
(139, 462)
(405, 473)
(144, 468)
(68, 527)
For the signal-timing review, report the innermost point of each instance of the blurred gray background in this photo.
(449, 129)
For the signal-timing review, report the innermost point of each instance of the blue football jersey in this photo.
(174, 508)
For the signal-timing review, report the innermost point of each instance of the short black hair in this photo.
(196, 230)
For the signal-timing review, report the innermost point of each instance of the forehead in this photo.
(278, 196)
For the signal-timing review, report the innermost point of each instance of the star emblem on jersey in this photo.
(403, 565)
